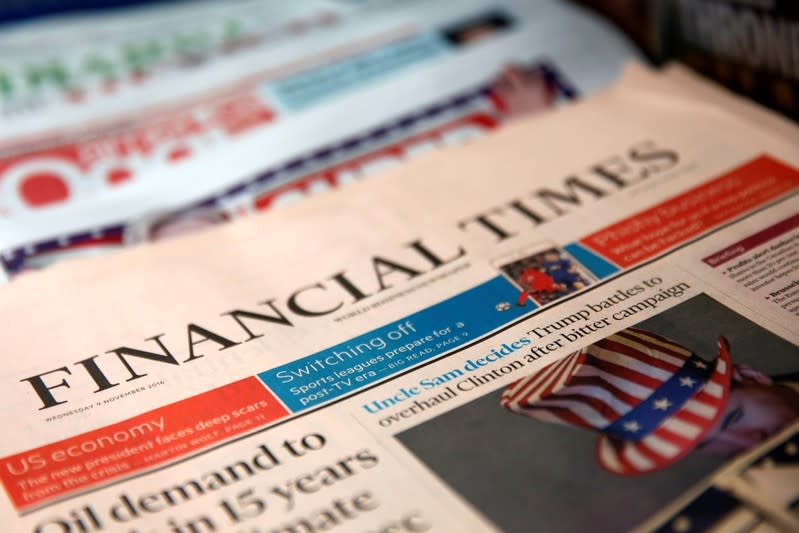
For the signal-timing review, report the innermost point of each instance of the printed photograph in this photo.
(756, 493)
(544, 275)
(627, 426)
(478, 28)
(522, 90)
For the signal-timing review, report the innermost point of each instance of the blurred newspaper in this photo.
(326, 93)
(581, 322)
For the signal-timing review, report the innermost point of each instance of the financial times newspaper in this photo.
(583, 321)
(305, 112)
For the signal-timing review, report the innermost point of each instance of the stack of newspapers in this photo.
(389, 267)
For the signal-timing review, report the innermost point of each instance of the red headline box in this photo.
(691, 213)
(136, 444)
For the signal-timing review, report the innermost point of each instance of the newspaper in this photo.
(268, 116)
(748, 46)
(584, 321)
(79, 67)
(77, 61)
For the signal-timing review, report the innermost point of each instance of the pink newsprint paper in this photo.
(337, 364)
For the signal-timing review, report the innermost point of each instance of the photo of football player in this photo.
(544, 275)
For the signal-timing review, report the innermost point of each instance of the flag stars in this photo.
(687, 382)
(700, 364)
(662, 404)
(632, 426)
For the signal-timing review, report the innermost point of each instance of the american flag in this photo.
(651, 399)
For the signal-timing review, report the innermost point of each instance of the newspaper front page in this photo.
(585, 321)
